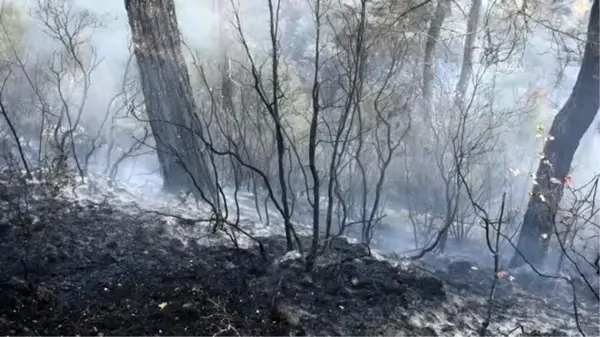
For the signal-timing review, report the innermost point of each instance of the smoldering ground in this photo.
(103, 264)
(115, 255)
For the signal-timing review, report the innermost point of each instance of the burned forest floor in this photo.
(85, 260)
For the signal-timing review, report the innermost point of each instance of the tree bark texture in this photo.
(169, 101)
(433, 35)
(468, 51)
(568, 127)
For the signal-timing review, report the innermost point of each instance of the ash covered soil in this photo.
(94, 260)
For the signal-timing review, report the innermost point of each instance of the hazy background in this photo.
(537, 82)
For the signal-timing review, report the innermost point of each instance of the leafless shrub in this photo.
(358, 134)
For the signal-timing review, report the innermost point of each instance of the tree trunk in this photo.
(433, 35)
(466, 70)
(468, 50)
(168, 96)
(227, 84)
(568, 127)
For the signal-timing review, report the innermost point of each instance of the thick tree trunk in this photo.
(568, 127)
(168, 96)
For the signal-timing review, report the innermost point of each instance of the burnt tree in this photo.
(568, 127)
(169, 101)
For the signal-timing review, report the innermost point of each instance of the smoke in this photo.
(110, 43)
(198, 22)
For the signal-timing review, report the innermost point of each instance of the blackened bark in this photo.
(568, 127)
(168, 96)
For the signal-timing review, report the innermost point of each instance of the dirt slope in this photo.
(81, 267)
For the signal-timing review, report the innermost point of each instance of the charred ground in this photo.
(82, 267)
